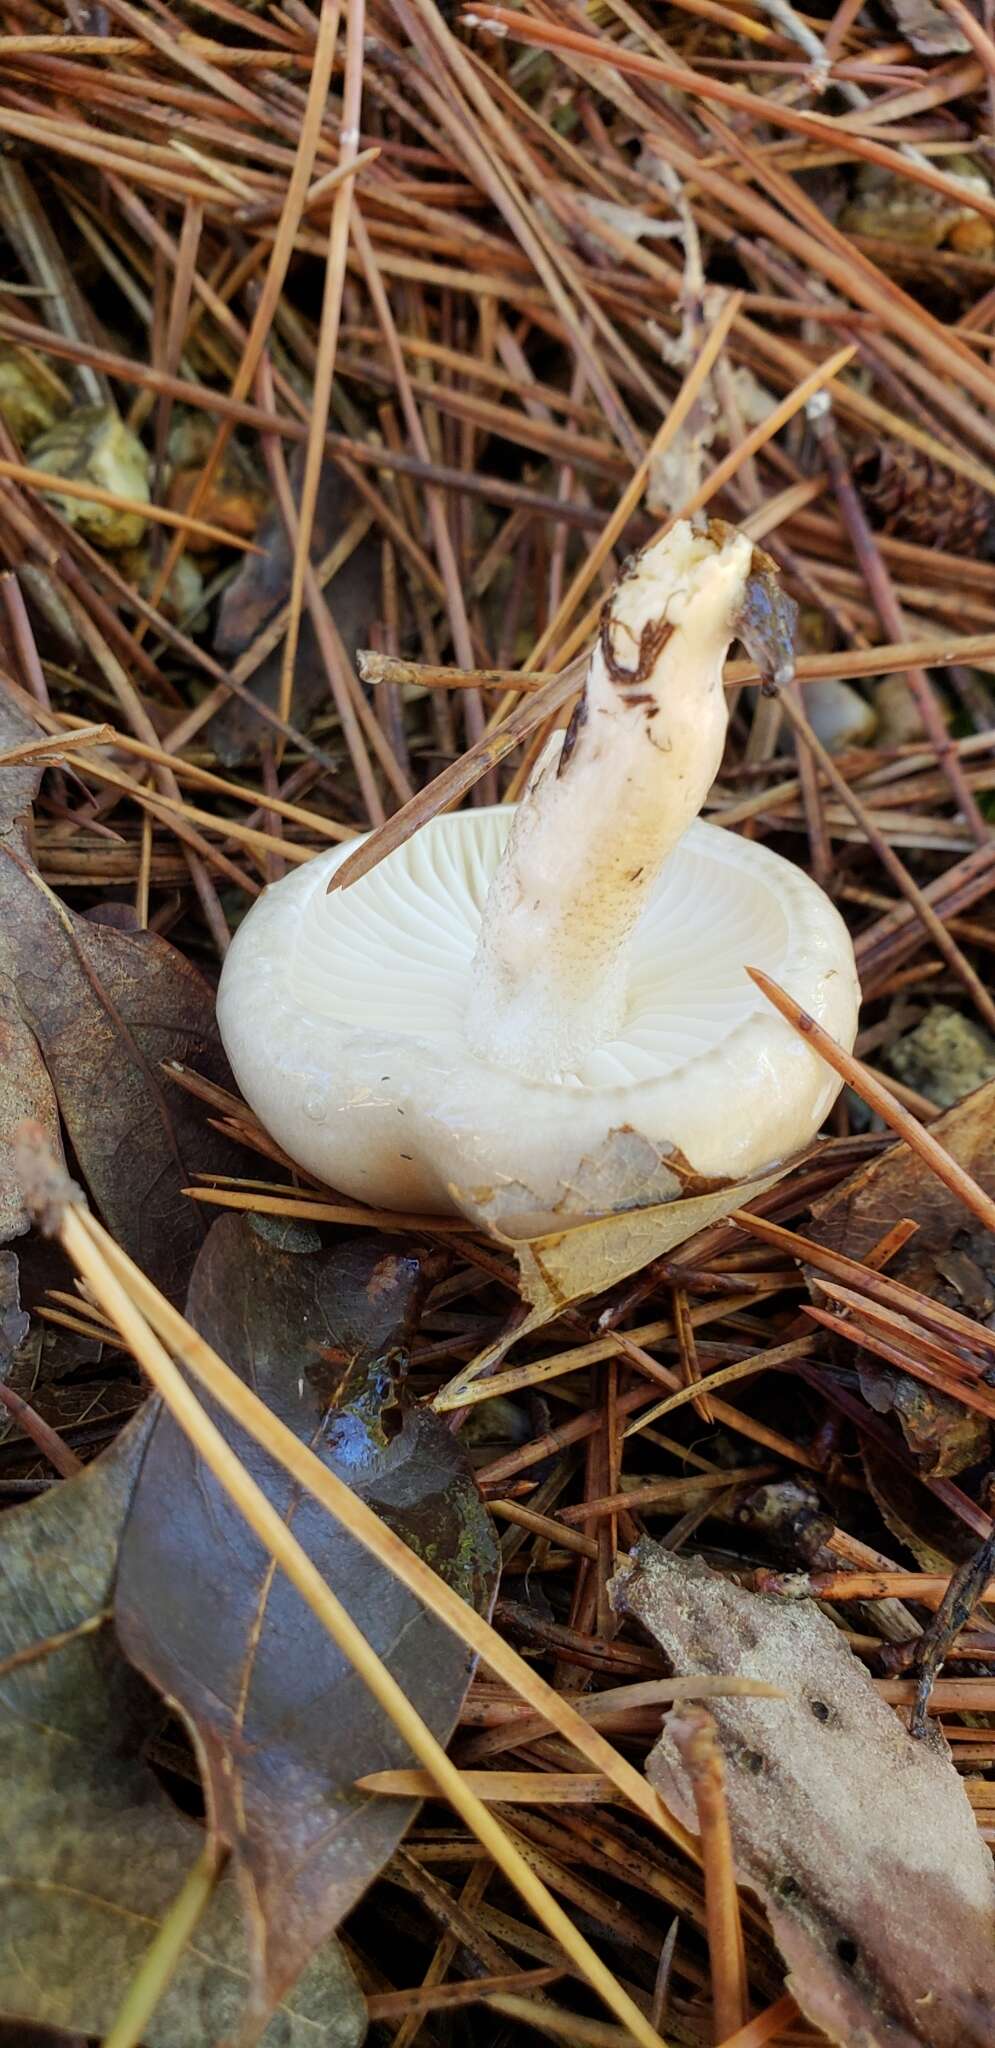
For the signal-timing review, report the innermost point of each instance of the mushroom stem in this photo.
(607, 803)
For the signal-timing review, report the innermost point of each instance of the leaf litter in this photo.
(858, 1838)
(94, 1850)
(90, 1015)
(282, 1724)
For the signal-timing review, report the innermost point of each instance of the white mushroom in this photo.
(540, 1013)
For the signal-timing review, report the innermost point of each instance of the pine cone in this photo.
(908, 494)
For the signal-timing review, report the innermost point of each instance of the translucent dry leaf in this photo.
(571, 1265)
(859, 1840)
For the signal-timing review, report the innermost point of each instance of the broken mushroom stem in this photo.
(610, 798)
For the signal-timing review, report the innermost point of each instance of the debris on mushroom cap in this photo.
(518, 1004)
(766, 621)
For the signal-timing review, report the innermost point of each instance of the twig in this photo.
(696, 1737)
(966, 1588)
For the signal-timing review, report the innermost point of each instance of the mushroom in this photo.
(540, 1013)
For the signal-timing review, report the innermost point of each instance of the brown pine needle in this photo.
(94, 494)
(50, 751)
(517, 1788)
(695, 1734)
(426, 1998)
(335, 266)
(880, 1099)
(723, 1376)
(766, 2027)
(318, 1211)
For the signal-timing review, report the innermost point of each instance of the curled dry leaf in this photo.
(87, 1015)
(859, 1840)
(915, 1514)
(283, 1724)
(572, 1264)
(93, 1852)
(950, 1258)
(943, 1435)
(929, 28)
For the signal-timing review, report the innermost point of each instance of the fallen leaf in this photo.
(929, 28)
(283, 1724)
(93, 1851)
(856, 1215)
(25, 1089)
(80, 1410)
(859, 1840)
(571, 1265)
(936, 1537)
(950, 1258)
(93, 445)
(18, 784)
(87, 1015)
(943, 1435)
(235, 497)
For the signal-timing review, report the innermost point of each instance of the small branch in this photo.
(696, 1737)
(967, 1587)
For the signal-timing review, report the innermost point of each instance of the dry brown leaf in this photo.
(88, 1016)
(284, 1726)
(951, 1259)
(25, 1087)
(943, 1435)
(896, 1184)
(913, 1513)
(859, 1840)
(928, 28)
(571, 1265)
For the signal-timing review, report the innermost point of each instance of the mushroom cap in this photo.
(342, 1020)
(342, 1017)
